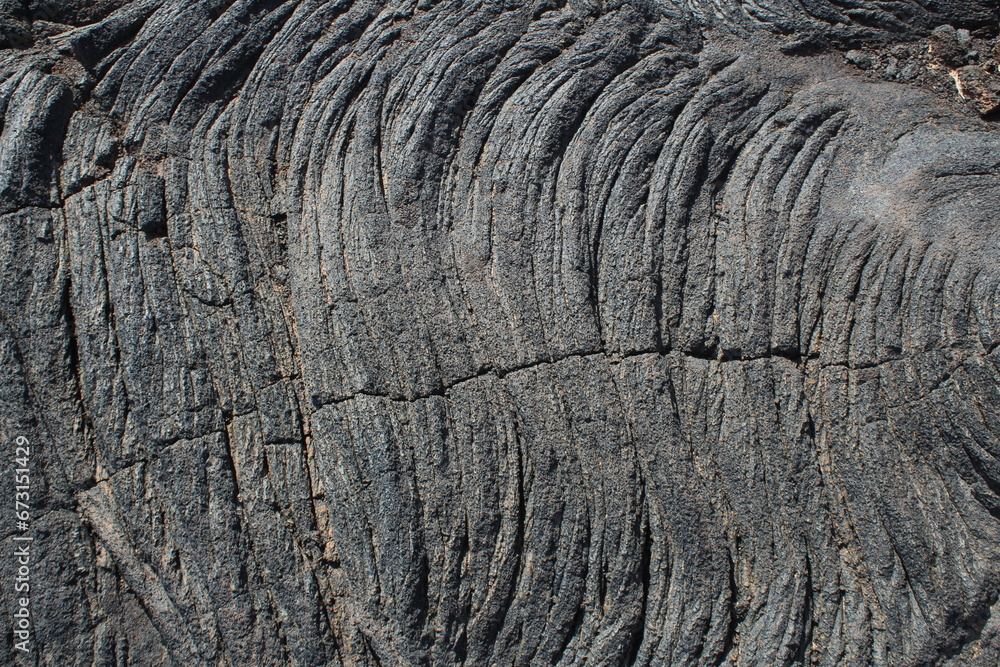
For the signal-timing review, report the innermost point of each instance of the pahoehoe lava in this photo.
(501, 332)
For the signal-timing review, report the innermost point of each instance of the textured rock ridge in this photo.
(499, 333)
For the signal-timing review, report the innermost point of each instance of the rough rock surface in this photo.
(499, 333)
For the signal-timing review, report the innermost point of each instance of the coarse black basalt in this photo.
(502, 333)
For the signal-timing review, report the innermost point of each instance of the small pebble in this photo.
(910, 72)
(893, 69)
(862, 60)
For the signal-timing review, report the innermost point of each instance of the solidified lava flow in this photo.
(502, 333)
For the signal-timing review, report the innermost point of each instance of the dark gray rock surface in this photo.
(501, 332)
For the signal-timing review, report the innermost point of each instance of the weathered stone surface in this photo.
(980, 86)
(500, 333)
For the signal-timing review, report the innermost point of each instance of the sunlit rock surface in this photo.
(503, 333)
